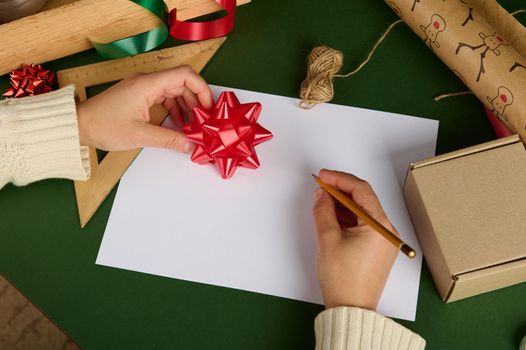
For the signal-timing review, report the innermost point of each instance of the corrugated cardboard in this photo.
(468, 208)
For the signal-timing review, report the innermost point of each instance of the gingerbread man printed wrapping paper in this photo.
(482, 44)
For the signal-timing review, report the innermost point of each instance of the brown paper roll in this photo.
(482, 44)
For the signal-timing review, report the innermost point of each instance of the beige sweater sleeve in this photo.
(39, 139)
(351, 328)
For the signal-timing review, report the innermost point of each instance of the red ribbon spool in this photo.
(193, 31)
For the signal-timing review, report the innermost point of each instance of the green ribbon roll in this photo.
(139, 43)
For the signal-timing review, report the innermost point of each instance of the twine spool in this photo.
(323, 64)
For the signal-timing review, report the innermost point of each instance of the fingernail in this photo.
(317, 194)
(188, 147)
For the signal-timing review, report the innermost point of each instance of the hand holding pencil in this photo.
(353, 260)
(361, 214)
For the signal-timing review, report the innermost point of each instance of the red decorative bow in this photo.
(226, 134)
(30, 80)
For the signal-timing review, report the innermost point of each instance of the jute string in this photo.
(451, 94)
(323, 64)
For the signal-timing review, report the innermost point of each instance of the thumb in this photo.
(325, 221)
(160, 137)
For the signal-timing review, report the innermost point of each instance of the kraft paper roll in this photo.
(482, 44)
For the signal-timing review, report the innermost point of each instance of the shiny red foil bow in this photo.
(30, 80)
(226, 134)
(203, 30)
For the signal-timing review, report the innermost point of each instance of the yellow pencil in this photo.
(355, 208)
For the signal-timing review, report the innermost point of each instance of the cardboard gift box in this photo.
(468, 208)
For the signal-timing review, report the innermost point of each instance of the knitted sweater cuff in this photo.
(39, 139)
(349, 328)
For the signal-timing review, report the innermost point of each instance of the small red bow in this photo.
(30, 80)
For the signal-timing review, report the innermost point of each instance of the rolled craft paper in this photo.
(500, 130)
(489, 59)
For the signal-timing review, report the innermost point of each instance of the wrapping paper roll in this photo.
(482, 44)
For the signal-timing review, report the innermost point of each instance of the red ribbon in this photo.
(500, 129)
(193, 31)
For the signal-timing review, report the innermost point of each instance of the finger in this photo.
(173, 82)
(191, 99)
(343, 181)
(185, 110)
(182, 103)
(346, 218)
(169, 103)
(359, 190)
(156, 136)
(325, 221)
(174, 110)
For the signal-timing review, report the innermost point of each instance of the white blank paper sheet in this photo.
(254, 232)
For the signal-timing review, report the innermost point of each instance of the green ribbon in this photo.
(139, 43)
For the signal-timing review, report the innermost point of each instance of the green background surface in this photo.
(51, 260)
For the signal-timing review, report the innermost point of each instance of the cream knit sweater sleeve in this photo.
(39, 139)
(351, 328)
